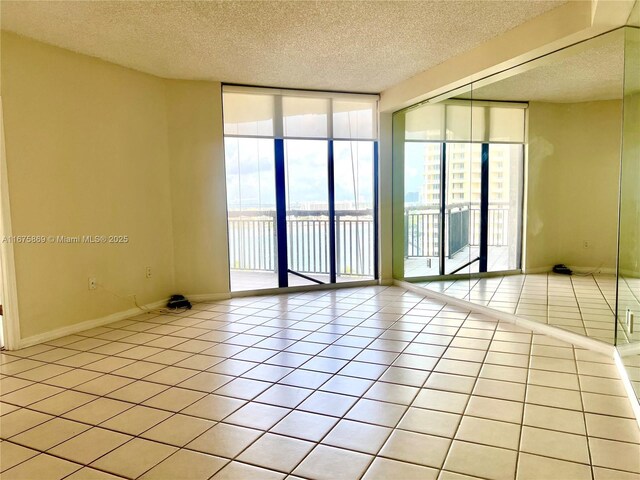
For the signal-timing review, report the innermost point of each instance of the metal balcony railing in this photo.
(252, 241)
(253, 246)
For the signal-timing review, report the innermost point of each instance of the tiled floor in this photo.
(581, 304)
(373, 383)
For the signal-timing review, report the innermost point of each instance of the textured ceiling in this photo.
(593, 74)
(357, 46)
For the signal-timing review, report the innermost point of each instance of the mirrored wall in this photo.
(498, 182)
(628, 282)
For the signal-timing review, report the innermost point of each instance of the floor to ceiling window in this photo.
(301, 190)
(461, 164)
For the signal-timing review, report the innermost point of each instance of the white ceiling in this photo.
(359, 46)
(596, 73)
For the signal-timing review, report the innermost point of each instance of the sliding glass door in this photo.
(315, 223)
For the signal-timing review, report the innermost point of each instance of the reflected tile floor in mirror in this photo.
(581, 304)
(362, 383)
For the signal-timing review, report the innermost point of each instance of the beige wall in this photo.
(97, 149)
(572, 193)
(198, 187)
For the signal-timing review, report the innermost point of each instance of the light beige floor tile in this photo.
(134, 458)
(328, 463)
(63, 402)
(499, 389)
(20, 420)
(206, 382)
(534, 467)
(564, 446)
(358, 436)
(554, 397)
(31, 394)
(417, 448)
(214, 407)
(450, 383)
(50, 434)
(41, 467)
(379, 413)
(430, 421)
(136, 420)
(137, 391)
(87, 473)
(12, 454)
(600, 473)
(495, 409)
(489, 432)
(276, 452)
(104, 385)
(186, 465)
(607, 405)
(98, 411)
(237, 471)
(443, 401)
(613, 428)
(178, 430)
(224, 440)
(7, 408)
(305, 425)
(554, 379)
(617, 455)
(569, 421)
(386, 469)
(257, 415)
(481, 461)
(88, 446)
(174, 399)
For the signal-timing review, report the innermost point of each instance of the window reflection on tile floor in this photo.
(374, 382)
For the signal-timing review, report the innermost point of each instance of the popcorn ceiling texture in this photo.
(594, 74)
(357, 46)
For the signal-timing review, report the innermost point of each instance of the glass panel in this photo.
(353, 119)
(465, 123)
(305, 117)
(462, 220)
(353, 166)
(248, 114)
(628, 301)
(307, 210)
(425, 123)
(251, 213)
(422, 208)
(505, 206)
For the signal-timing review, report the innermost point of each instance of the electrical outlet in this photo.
(586, 244)
(147, 272)
(93, 283)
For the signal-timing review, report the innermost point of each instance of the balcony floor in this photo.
(498, 261)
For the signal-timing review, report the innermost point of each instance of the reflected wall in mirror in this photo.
(628, 301)
(547, 195)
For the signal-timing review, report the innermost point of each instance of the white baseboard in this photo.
(560, 334)
(386, 281)
(86, 325)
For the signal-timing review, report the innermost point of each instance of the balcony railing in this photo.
(253, 246)
(252, 241)
(422, 228)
